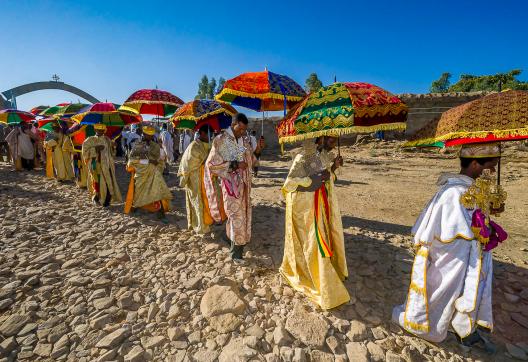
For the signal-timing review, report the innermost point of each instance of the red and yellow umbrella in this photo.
(262, 91)
(152, 101)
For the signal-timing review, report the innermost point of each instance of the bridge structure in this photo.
(8, 97)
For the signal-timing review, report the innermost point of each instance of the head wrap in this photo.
(481, 150)
(100, 127)
(151, 131)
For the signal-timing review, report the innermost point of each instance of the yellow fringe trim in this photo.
(126, 104)
(175, 118)
(233, 92)
(415, 288)
(423, 252)
(476, 134)
(416, 326)
(336, 132)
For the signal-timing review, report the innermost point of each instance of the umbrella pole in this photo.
(262, 126)
(338, 147)
(499, 165)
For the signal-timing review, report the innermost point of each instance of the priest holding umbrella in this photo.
(314, 261)
(451, 279)
(98, 154)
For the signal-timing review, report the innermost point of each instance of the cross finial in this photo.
(55, 78)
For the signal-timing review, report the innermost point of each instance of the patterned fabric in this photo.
(199, 112)
(343, 108)
(65, 112)
(14, 116)
(496, 117)
(52, 111)
(262, 91)
(152, 101)
(106, 113)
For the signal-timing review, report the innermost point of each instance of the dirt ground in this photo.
(381, 188)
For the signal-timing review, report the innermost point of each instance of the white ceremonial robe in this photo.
(166, 145)
(451, 275)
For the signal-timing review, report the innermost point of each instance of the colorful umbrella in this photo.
(37, 110)
(262, 91)
(79, 133)
(343, 108)
(14, 116)
(67, 111)
(106, 113)
(193, 115)
(495, 117)
(52, 111)
(152, 101)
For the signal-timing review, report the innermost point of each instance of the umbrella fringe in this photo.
(336, 132)
(503, 133)
(193, 118)
(153, 102)
(259, 96)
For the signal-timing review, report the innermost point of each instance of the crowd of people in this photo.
(451, 277)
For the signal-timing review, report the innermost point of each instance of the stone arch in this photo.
(11, 94)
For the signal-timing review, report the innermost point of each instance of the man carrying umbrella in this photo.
(452, 271)
(314, 261)
(147, 188)
(231, 160)
(98, 154)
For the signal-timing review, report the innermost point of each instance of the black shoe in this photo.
(476, 340)
(237, 252)
(225, 239)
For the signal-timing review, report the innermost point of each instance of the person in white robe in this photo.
(167, 143)
(452, 271)
(21, 143)
(185, 141)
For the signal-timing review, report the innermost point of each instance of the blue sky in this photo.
(112, 48)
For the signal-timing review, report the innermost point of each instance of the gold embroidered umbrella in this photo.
(495, 117)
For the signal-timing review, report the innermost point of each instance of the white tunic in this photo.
(451, 275)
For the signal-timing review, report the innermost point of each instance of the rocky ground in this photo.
(82, 283)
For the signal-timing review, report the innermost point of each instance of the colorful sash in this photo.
(325, 246)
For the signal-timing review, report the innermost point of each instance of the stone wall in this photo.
(426, 107)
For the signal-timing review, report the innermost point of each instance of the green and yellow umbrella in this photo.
(343, 108)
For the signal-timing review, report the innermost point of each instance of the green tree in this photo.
(441, 85)
(221, 82)
(211, 89)
(203, 88)
(313, 83)
(470, 83)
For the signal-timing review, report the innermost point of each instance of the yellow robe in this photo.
(147, 188)
(101, 168)
(192, 180)
(60, 159)
(303, 266)
(81, 179)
